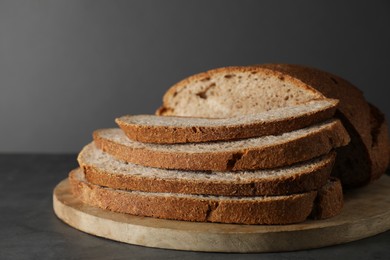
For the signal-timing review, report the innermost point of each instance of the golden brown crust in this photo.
(301, 149)
(307, 180)
(177, 134)
(329, 201)
(278, 210)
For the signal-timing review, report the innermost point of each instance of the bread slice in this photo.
(157, 129)
(102, 169)
(329, 201)
(248, 154)
(242, 210)
(232, 91)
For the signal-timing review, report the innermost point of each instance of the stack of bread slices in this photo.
(246, 145)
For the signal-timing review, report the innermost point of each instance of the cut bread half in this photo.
(248, 154)
(103, 169)
(232, 91)
(235, 91)
(242, 210)
(158, 129)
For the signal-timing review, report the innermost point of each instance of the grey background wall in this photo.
(69, 67)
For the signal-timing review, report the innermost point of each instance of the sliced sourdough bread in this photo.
(241, 210)
(104, 170)
(158, 129)
(232, 91)
(248, 154)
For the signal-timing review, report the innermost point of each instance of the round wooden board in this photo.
(366, 213)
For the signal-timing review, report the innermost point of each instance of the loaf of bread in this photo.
(243, 145)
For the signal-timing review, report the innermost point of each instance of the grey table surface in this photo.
(30, 230)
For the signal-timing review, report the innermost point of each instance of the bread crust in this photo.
(190, 134)
(304, 180)
(311, 145)
(380, 144)
(265, 210)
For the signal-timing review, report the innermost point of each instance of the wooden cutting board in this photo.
(366, 213)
